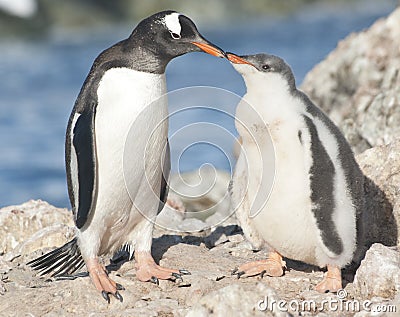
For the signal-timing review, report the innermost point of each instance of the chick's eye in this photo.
(175, 36)
(266, 67)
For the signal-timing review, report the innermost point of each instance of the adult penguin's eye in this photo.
(266, 67)
(175, 36)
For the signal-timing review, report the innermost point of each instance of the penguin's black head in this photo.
(263, 64)
(169, 34)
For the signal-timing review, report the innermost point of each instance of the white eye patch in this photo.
(171, 21)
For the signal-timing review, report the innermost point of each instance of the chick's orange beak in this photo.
(236, 59)
(210, 49)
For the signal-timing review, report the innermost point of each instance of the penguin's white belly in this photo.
(309, 213)
(287, 222)
(284, 218)
(130, 107)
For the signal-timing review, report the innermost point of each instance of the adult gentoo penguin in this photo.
(313, 211)
(117, 156)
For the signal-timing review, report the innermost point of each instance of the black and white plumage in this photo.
(117, 153)
(314, 208)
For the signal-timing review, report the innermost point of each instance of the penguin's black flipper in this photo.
(165, 177)
(60, 262)
(82, 163)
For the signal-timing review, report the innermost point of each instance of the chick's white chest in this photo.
(278, 170)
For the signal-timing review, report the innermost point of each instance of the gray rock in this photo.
(395, 304)
(358, 84)
(4, 266)
(203, 193)
(33, 225)
(381, 166)
(3, 290)
(55, 235)
(192, 225)
(238, 300)
(197, 201)
(223, 234)
(378, 307)
(222, 218)
(170, 218)
(379, 273)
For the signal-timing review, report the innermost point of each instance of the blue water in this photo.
(40, 80)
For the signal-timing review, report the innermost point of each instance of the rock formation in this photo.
(358, 84)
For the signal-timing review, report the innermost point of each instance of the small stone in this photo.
(254, 299)
(141, 303)
(3, 289)
(236, 238)
(192, 225)
(4, 266)
(169, 219)
(379, 273)
(214, 240)
(223, 234)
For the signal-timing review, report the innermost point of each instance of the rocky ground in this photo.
(369, 115)
(209, 291)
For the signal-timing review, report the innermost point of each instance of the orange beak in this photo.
(236, 59)
(215, 51)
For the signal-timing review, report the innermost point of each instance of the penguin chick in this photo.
(312, 212)
(117, 153)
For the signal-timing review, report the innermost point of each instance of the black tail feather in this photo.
(62, 261)
(124, 253)
(65, 269)
(49, 261)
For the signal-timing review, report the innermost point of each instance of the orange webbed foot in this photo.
(272, 266)
(332, 281)
(148, 270)
(102, 281)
